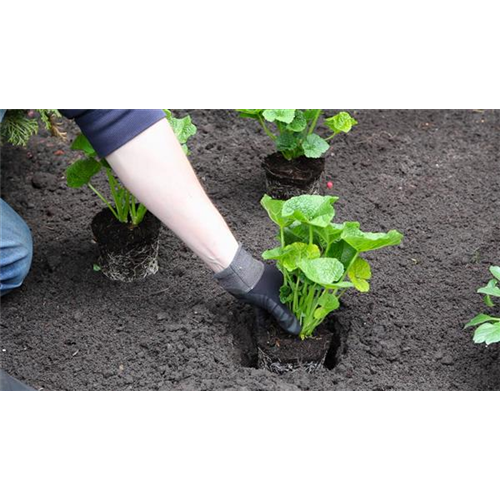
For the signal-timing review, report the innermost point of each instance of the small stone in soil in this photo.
(447, 360)
(162, 316)
(78, 316)
(43, 180)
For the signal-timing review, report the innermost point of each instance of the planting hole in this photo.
(264, 346)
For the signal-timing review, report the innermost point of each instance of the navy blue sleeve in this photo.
(109, 129)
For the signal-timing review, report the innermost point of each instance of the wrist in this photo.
(242, 274)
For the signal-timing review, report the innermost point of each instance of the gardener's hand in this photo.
(255, 283)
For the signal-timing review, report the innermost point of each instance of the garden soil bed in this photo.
(434, 175)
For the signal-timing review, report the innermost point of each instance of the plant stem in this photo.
(118, 193)
(314, 122)
(303, 296)
(126, 203)
(104, 200)
(266, 130)
(141, 213)
(133, 210)
(295, 294)
(346, 272)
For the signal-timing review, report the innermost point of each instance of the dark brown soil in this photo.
(279, 352)
(433, 175)
(288, 178)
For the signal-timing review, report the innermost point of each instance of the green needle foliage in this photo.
(319, 260)
(19, 125)
(124, 206)
(293, 130)
(488, 327)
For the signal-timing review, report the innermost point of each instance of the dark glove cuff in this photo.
(242, 275)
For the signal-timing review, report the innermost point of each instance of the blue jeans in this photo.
(16, 249)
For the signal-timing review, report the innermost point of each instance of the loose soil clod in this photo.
(285, 178)
(127, 253)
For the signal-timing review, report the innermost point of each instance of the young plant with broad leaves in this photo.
(319, 259)
(488, 327)
(123, 205)
(294, 130)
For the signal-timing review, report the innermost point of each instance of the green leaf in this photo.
(292, 255)
(250, 113)
(81, 143)
(287, 142)
(324, 237)
(311, 209)
(286, 294)
(342, 251)
(96, 268)
(488, 333)
(479, 319)
(342, 122)
(299, 123)
(183, 128)
(488, 301)
(80, 173)
(297, 232)
(328, 303)
(329, 235)
(310, 114)
(279, 115)
(314, 146)
(339, 285)
(495, 270)
(297, 253)
(490, 289)
(273, 254)
(363, 242)
(274, 209)
(323, 270)
(359, 273)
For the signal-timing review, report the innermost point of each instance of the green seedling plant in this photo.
(19, 125)
(123, 204)
(488, 327)
(294, 130)
(320, 260)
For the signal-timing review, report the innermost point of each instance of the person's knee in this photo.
(17, 254)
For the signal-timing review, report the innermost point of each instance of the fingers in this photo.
(286, 319)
